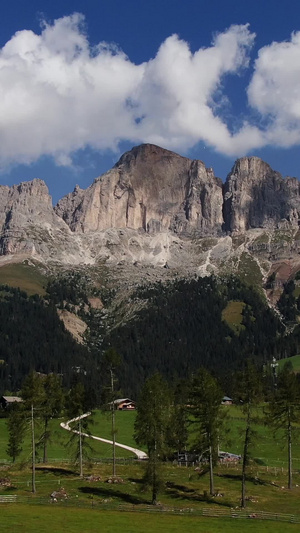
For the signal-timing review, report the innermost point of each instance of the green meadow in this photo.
(46, 520)
(94, 503)
(295, 360)
(26, 277)
(233, 315)
(59, 447)
(268, 449)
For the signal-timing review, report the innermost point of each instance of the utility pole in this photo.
(33, 450)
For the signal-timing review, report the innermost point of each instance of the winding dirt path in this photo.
(66, 425)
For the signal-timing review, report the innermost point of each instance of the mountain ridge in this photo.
(159, 209)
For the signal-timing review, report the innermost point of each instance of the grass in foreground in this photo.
(183, 488)
(48, 519)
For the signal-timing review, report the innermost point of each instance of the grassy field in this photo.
(267, 451)
(26, 277)
(232, 314)
(184, 491)
(92, 503)
(295, 360)
(59, 447)
(46, 520)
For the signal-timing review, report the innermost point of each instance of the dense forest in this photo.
(34, 338)
(176, 328)
(181, 328)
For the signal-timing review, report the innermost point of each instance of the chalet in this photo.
(124, 404)
(7, 401)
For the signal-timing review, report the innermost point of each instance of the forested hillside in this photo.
(34, 338)
(172, 327)
(182, 327)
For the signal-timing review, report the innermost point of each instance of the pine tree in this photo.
(150, 429)
(249, 390)
(207, 417)
(50, 408)
(284, 410)
(110, 362)
(16, 425)
(76, 409)
(33, 395)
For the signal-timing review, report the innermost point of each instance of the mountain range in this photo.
(155, 208)
(130, 254)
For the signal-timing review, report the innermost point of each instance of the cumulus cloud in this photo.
(58, 94)
(274, 91)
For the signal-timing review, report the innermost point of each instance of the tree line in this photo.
(186, 417)
(192, 418)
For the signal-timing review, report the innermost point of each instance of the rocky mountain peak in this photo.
(149, 189)
(145, 153)
(250, 167)
(148, 204)
(255, 196)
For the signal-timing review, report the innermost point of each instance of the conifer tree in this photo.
(151, 426)
(33, 395)
(110, 362)
(249, 390)
(207, 417)
(284, 410)
(16, 425)
(76, 409)
(50, 408)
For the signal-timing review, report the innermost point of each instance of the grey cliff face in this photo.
(26, 212)
(140, 209)
(255, 196)
(150, 189)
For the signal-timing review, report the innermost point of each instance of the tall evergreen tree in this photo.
(16, 425)
(249, 390)
(284, 410)
(33, 395)
(150, 429)
(76, 409)
(207, 417)
(178, 425)
(110, 362)
(50, 408)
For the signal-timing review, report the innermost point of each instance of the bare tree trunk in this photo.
(290, 482)
(245, 459)
(113, 422)
(33, 450)
(45, 455)
(154, 477)
(80, 451)
(211, 473)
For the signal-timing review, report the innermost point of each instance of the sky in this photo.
(83, 82)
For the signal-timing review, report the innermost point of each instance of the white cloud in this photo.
(275, 91)
(58, 95)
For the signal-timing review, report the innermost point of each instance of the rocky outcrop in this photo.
(27, 220)
(255, 196)
(149, 189)
(153, 206)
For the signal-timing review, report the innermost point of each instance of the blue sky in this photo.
(210, 80)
